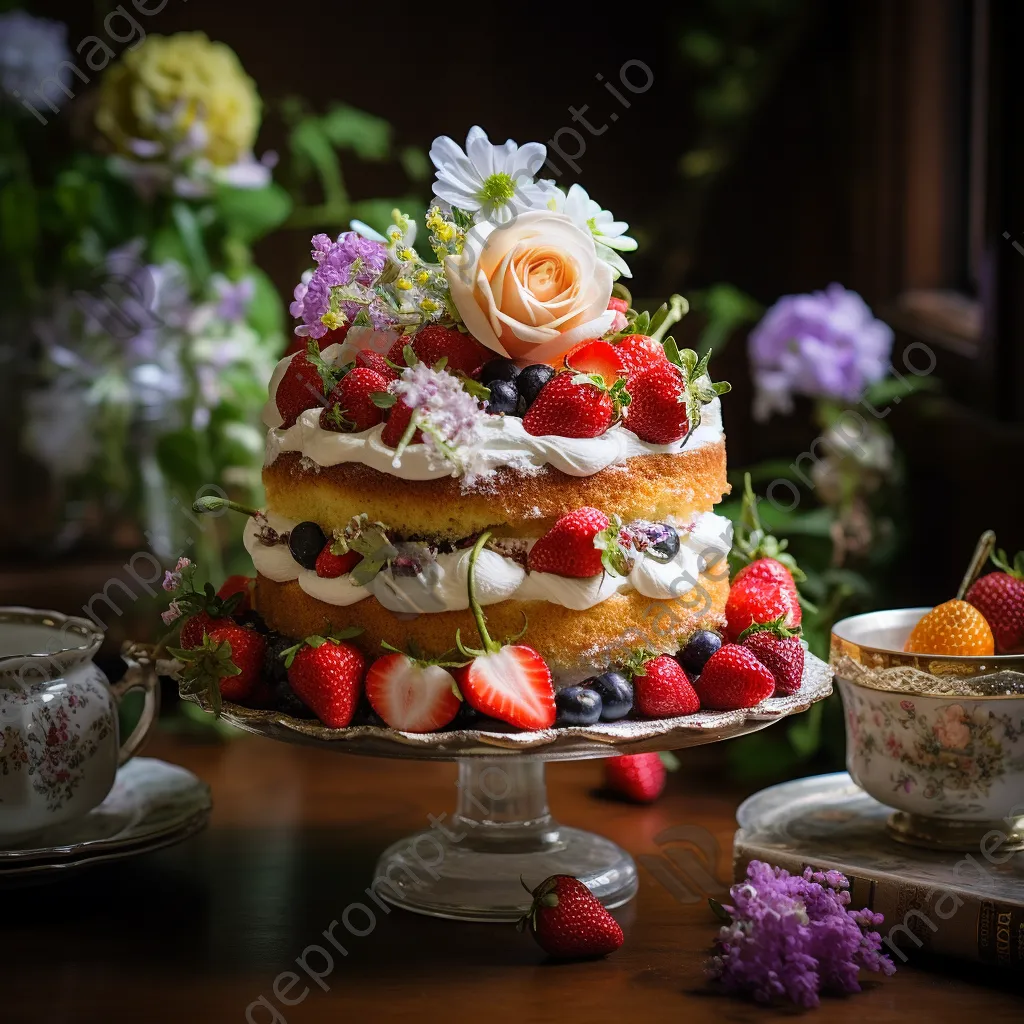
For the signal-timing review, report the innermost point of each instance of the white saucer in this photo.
(152, 805)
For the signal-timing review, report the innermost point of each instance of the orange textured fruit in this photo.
(952, 628)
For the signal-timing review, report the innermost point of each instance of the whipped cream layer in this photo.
(443, 585)
(503, 442)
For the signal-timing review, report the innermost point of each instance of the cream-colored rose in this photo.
(533, 288)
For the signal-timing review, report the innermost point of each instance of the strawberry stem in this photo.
(982, 553)
(212, 504)
(671, 313)
(490, 646)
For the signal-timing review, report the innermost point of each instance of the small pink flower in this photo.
(907, 705)
(172, 614)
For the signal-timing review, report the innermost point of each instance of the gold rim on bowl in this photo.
(854, 639)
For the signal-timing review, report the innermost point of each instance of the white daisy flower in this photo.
(609, 234)
(494, 183)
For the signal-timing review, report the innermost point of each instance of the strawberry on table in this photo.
(327, 675)
(412, 695)
(999, 596)
(639, 778)
(574, 405)
(568, 921)
(350, 406)
(780, 651)
(733, 679)
(227, 664)
(661, 689)
(510, 681)
(582, 543)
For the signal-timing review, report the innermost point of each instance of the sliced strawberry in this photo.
(512, 685)
(596, 356)
(411, 696)
(330, 566)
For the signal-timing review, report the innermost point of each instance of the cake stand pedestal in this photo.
(473, 866)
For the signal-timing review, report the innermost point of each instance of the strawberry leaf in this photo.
(613, 555)
(383, 399)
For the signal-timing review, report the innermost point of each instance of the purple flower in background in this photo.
(352, 260)
(792, 936)
(31, 50)
(825, 345)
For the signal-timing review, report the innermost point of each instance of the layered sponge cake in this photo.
(517, 486)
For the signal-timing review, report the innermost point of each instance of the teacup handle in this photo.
(140, 676)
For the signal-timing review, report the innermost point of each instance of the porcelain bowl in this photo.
(940, 739)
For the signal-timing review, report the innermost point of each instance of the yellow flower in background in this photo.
(180, 92)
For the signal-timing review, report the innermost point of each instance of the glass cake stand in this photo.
(471, 866)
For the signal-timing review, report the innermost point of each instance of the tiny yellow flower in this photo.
(429, 306)
(403, 284)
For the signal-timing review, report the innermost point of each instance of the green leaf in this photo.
(266, 313)
(312, 147)
(191, 234)
(249, 214)
(415, 163)
(346, 127)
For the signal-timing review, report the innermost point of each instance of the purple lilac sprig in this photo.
(353, 264)
(793, 937)
(448, 416)
(825, 345)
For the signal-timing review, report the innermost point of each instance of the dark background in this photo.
(874, 143)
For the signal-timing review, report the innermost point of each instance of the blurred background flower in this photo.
(30, 50)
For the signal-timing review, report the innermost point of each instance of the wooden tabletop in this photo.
(199, 932)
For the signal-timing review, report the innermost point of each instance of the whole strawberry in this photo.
(226, 665)
(569, 922)
(581, 544)
(658, 407)
(370, 360)
(639, 352)
(755, 598)
(302, 387)
(327, 676)
(639, 778)
(780, 651)
(733, 679)
(999, 596)
(462, 352)
(335, 560)
(570, 405)
(397, 424)
(661, 689)
(350, 406)
(194, 628)
(768, 569)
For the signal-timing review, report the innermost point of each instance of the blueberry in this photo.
(531, 380)
(504, 398)
(253, 620)
(616, 693)
(305, 542)
(577, 705)
(467, 717)
(498, 369)
(274, 670)
(286, 701)
(365, 715)
(694, 656)
(662, 539)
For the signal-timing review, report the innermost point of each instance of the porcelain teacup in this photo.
(939, 738)
(59, 741)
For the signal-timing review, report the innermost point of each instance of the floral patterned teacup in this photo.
(59, 743)
(939, 738)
